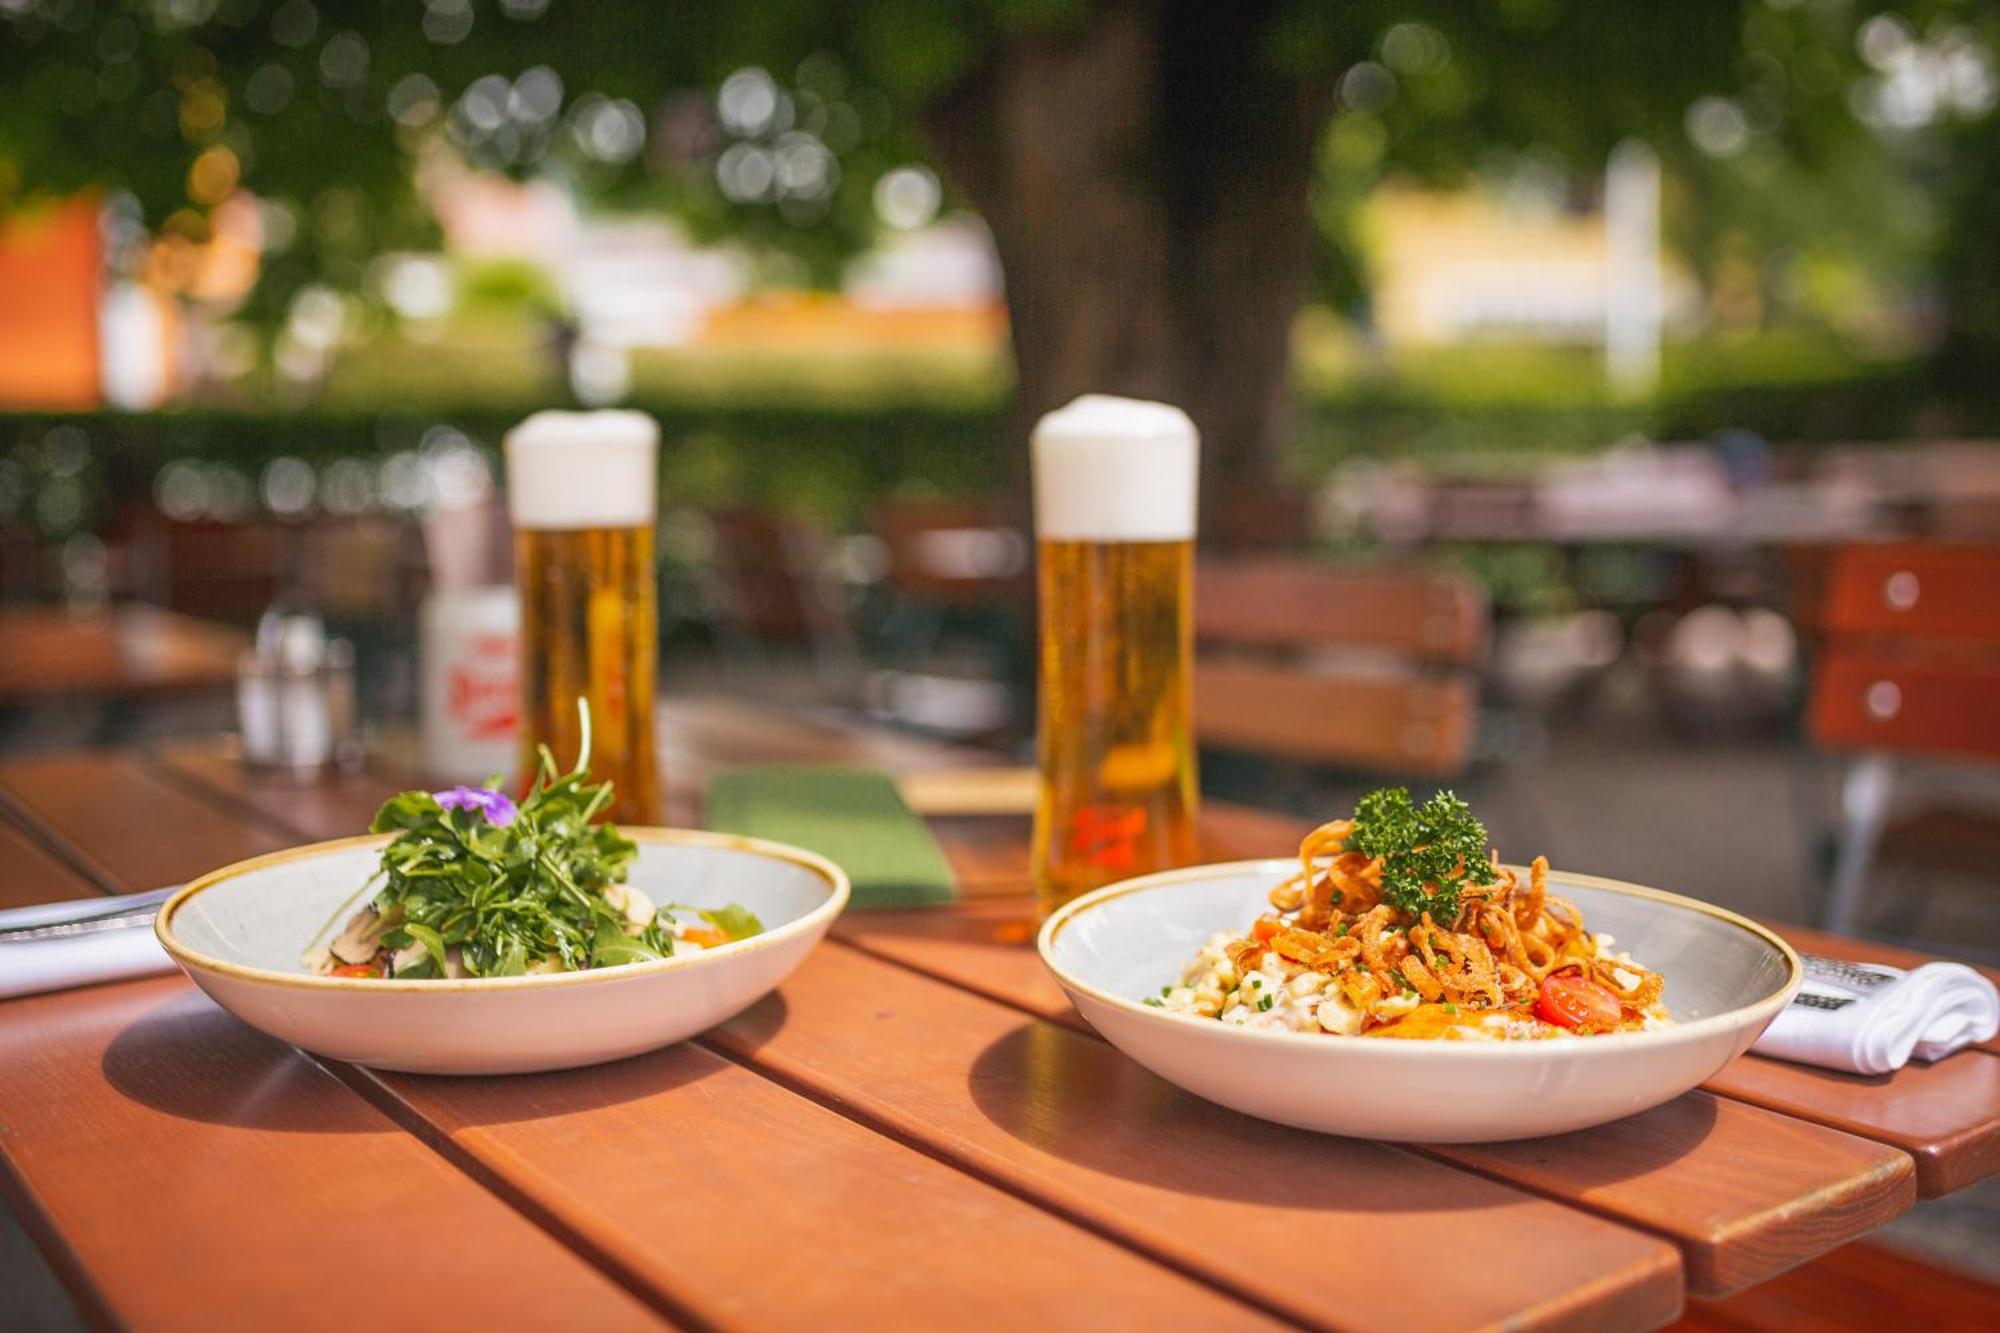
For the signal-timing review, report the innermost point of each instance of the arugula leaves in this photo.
(735, 921)
(509, 896)
(1428, 852)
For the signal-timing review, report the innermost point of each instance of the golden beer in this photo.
(1118, 791)
(582, 495)
(589, 629)
(1114, 514)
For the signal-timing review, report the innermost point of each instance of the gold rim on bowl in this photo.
(192, 959)
(1759, 1011)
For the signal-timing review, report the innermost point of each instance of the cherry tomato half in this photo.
(1573, 1001)
(356, 970)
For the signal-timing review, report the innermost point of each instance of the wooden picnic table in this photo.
(123, 653)
(916, 1129)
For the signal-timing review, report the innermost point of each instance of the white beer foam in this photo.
(1115, 470)
(568, 470)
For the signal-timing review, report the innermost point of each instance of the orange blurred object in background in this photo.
(49, 291)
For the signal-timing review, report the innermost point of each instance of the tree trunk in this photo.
(1969, 352)
(1146, 179)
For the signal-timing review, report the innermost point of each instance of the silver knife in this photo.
(88, 916)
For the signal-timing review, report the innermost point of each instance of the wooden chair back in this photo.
(356, 568)
(1910, 661)
(950, 552)
(764, 571)
(219, 570)
(1426, 615)
(1371, 668)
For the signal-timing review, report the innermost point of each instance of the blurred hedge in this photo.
(827, 462)
(830, 454)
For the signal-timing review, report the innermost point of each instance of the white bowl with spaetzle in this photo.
(1267, 1007)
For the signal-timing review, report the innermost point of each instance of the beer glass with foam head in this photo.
(1115, 485)
(582, 492)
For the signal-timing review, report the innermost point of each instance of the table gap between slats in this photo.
(34, 871)
(60, 867)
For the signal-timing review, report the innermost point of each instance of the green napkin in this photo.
(854, 817)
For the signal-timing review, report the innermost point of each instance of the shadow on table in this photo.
(1073, 1097)
(187, 1058)
(190, 1059)
(454, 1102)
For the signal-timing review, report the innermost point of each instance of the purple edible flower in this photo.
(495, 806)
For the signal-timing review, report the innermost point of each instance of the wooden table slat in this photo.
(714, 730)
(331, 805)
(752, 1206)
(30, 873)
(987, 948)
(1854, 1288)
(183, 1166)
(128, 652)
(1722, 1180)
(1946, 1115)
(129, 827)
(1063, 1119)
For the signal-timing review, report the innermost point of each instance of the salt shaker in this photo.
(295, 695)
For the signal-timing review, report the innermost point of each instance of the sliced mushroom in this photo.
(363, 936)
(632, 903)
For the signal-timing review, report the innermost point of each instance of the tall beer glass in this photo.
(582, 492)
(1115, 484)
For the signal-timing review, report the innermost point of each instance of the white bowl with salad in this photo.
(468, 934)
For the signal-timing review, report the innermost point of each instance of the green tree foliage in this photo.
(326, 106)
(1778, 120)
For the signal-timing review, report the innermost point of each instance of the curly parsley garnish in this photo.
(1428, 852)
(511, 886)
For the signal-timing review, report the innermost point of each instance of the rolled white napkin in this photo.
(1869, 1019)
(120, 945)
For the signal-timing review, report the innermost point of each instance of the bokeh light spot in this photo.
(213, 176)
(268, 90)
(907, 197)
